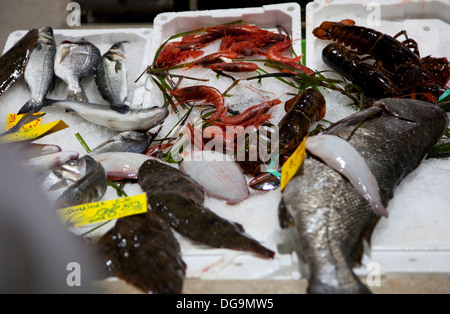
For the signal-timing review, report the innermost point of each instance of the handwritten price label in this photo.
(85, 214)
(292, 165)
(35, 132)
(13, 118)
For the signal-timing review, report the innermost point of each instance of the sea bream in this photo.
(111, 78)
(133, 120)
(39, 73)
(75, 60)
(332, 218)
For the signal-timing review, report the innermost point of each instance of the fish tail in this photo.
(32, 104)
(79, 95)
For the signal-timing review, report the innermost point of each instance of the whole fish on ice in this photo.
(331, 217)
(14, 61)
(132, 120)
(220, 176)
(127, 141)
(39, 73)
(75, 60)
(111, 78)
(178, 199)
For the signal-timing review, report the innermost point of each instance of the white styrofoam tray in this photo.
(416, 236)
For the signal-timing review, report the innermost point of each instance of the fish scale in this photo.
(332, 219)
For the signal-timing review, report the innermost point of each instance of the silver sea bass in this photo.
(332, 218)
(111, 77)
(39, 73)
(76, 59)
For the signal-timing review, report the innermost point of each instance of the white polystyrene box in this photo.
(416, 236)
(165, 25)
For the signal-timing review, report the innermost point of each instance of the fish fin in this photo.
(64, 52)
(284, 218)
(118, 67)
(32, 104)
(366, 237)
(120, 108)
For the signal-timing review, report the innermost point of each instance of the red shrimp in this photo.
(234, 66)
(208, 94)
(234, 30)
(247, 48)
(254, 115)
(205, 38)
(177, 52)
(275, 51)
(216, 57)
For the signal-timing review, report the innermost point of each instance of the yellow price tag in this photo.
(85, 214)
(13, 118)
(292, 165)
(35, 132)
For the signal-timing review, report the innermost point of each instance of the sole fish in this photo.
(179, 200)
(332, 218)
(143, 251)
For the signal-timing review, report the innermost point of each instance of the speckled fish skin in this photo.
(143, 251)
(76, 59)
(179, 200)
(331, 218)
(39, 73)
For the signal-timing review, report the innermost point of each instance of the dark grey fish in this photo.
(143, 251)
(128, 141)
(331, 217)
(14, 61)
(111, 78)
(39, 73)
(76, 59)
(179, 200)
(90, 188)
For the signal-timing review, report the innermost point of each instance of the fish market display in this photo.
(39, 73)
(127, 141)
(111, 77)
(179, 200)
(132, 120)
(144, 251)
(219, 175)
(331, 217)
(194, 130)
(14, 61)
(76, 59)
